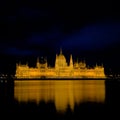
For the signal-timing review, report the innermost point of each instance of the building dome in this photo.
(82, 64)
(61, 60)
(62, 57)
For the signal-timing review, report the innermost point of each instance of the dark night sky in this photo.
(89, 30)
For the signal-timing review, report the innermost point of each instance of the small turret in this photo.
(76, 64)
(56, 61)
(46, 64)
(60, 51)
(38, 64)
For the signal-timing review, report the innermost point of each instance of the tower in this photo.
(60, 51)
(56, 62)
(38, 64)
(46, 64)
(71, 61)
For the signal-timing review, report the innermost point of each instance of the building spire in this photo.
(38, 64)
(77, 60)
(37, 59)
(71, 61)
(60, 50)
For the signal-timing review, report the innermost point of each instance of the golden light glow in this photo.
(61, 92)
(61, 69)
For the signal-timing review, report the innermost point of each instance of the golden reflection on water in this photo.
(62, 92)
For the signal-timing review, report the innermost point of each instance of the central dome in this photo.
(61, 56)
(61, 60)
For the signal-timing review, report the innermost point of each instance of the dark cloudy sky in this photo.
(87, 29)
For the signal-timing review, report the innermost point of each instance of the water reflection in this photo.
(62, 92)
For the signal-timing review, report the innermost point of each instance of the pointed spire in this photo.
(56, 57)
(37, 59)
(96, 65)
(77, 60)
(45, 59)
(102, 65)
(71, 61)
(60, 50)
(19, 62)
(27, 63)
(71, 58)
(38, 63)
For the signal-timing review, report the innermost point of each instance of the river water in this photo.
(59, 97)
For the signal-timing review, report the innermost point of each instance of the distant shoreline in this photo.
(61, 78)
(19, 79)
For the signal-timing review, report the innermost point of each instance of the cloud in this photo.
(35, 39)
(49, 36)
(17, 51)
(96, 36)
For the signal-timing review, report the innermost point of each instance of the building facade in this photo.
(61, 69)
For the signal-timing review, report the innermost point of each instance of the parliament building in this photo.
(60, 70)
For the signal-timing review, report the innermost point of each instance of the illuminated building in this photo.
(61, 69)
